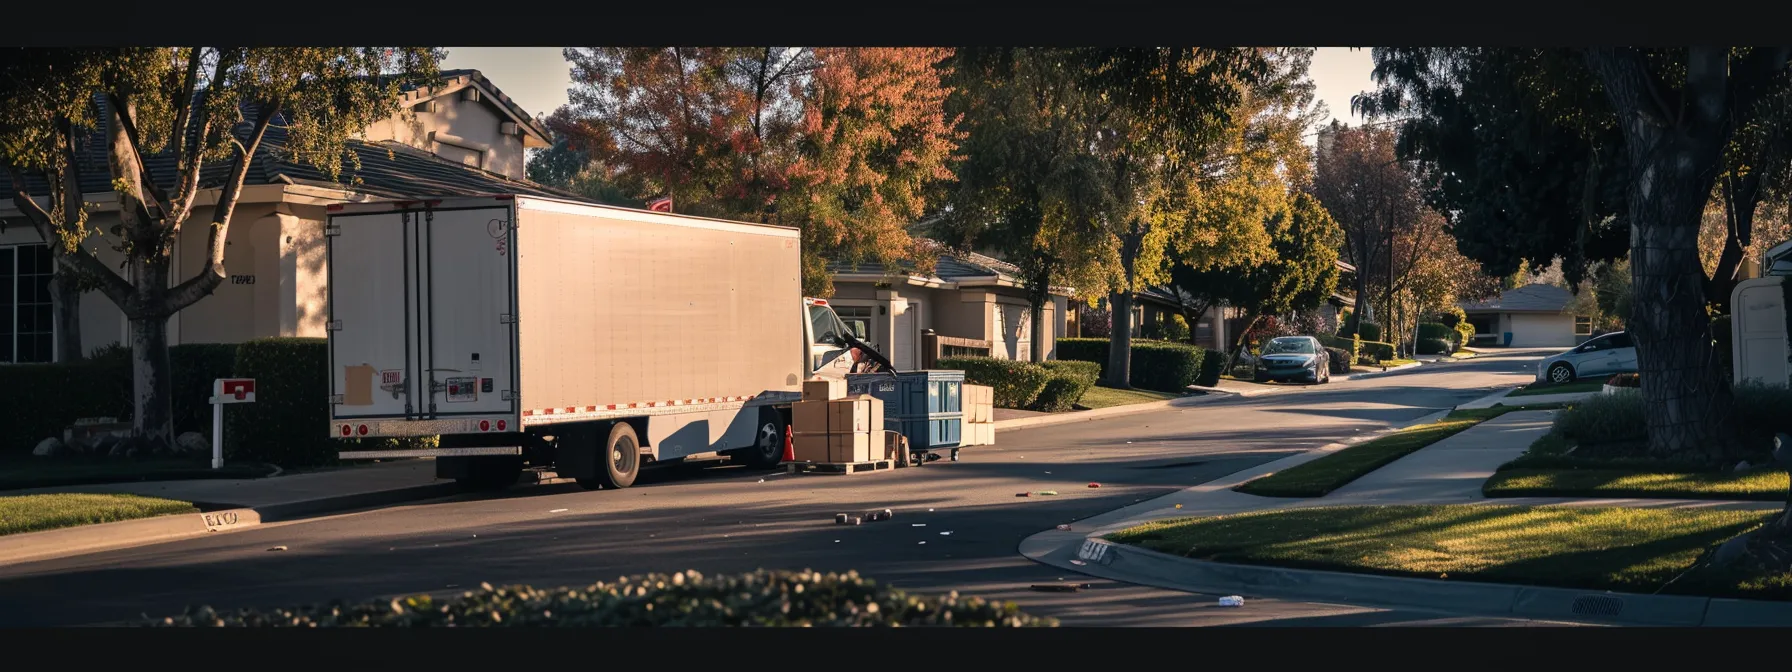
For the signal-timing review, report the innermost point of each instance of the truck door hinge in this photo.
(335, 325)
(507, 318)
(335, 398)
(333, 230)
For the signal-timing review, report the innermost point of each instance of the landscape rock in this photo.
(50, 447)
(192, 442)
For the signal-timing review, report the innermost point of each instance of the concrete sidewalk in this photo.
(273, 491)
(1450, 471)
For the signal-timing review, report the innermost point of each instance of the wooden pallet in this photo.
(838, 467)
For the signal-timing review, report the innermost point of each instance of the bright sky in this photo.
(537, 77)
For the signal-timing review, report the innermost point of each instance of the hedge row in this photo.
(1165, 367)
(287, 425)
(1049, 386)
(685, 599)
(42, 400)
(1213, 363)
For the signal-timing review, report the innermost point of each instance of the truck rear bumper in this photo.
(427, 452)
(361, 428)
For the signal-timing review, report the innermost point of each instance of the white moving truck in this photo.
(593, 340)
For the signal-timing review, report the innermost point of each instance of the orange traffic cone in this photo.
(789, 444)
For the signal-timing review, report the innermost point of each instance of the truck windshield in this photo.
(826, 325)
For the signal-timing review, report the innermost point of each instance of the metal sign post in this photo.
(227, 391)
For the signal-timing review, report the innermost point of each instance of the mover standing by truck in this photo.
(595, 340)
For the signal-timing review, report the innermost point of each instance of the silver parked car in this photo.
(1607, 355)
(1294, 358)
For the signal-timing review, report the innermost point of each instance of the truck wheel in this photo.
(621, 457)
(487, 473)
(768, 442)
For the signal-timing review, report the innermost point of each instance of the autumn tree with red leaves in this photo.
(844, 143)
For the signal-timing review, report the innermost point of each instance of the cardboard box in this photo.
(860, 414)
(809, 417)
(849, 448)
(824, 389)
(811, 448)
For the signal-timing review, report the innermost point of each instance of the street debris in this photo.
(947, 533)
(761, 480)
(277, 548)
(930, 510)
(1129, 442)
(1060, 587)
(917, 524)
(1078, 562)
(1023, 494)
(1048, 472)
(1231, 601)
(1094, 485)
(559, 511)
(922, 544)
(1048, 492)
(1065, 528)
(840, 518)
(1178, 506)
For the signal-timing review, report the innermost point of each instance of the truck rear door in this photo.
(422, 319)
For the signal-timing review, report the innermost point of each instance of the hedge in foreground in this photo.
(762, 598)
(38, 401)
(1164, 367)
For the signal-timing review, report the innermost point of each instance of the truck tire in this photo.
(768, 442)
(487, 473)
(620, 460)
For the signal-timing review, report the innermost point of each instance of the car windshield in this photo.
(1281, 346)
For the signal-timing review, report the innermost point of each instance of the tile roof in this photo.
(1537, 298)
(387, 169)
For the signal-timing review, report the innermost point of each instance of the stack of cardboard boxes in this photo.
(830, 427)
(979, 416)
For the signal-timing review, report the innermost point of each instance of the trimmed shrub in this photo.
(1339, 361)
(1435, 330)
(1435, 346)
(1348, 346)
(1176, 329)
(1152, 331)
(41, 400)
(1376, 350)
(1065, 384)
(1369, 331)
(1603, 419)
(1164, 367)
(1017, 384)
(288, 424)
(1213, 363)
(762, 598)
(38, 401)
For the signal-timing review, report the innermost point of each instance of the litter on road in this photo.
(1060, 587)
(917, 525)
(1094, 485)
(1078, 562)
(1231, 601)
(278, 548)
(1048, 492)
(559, 511)
(946, 534)
(1065, 528)
(923, 543)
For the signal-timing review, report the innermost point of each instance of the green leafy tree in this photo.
(1569, 151)
(198, 108)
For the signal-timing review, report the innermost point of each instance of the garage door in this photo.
(1542, 331)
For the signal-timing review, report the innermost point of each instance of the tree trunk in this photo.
(1362, 302)
(1040, 329)
(1120, 342)
(65, 304)
(152, 386)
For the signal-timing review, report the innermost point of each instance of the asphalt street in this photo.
(956, 526)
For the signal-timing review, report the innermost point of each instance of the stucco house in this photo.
(1216, 328)
(1532, 316)
(463, 138)
(967, 297)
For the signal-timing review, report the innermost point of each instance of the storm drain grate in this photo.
(1597, 605)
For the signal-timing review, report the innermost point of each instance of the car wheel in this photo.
(1561, 372)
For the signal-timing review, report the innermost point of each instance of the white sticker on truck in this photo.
(463, 389)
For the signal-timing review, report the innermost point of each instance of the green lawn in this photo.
(1565, 388)
(1548, 469)
(31, 513)
(1323, 475)
(1630, 550)
(26, 471)
(1104, 397)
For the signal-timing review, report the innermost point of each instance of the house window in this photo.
(1583, 326)
(27, 328)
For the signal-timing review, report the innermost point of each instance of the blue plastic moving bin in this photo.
(925, 406)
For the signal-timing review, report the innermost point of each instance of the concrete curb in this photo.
(1137, 565)
(1389, 372)
(1488, 401)
(85, 539)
